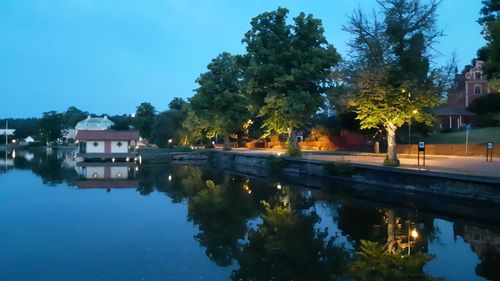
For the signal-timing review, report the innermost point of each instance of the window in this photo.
(477, 75)
(478, 89)
(119, 144)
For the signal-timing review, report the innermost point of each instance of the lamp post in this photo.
(411, 233)
(409, 132)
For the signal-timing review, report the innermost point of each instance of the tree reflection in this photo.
(287, 246)
(221, 214)
(375, 262)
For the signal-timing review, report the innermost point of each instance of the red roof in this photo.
(107, 184)
(107, 135)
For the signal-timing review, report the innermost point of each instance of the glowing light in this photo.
(279, 153)
(169, 140)
(415, 111)
(213, 142)
(13, 141)
(13, 154)
(414, 234)
(169, 177)
(278, 186)
(113, 159)
(136, 169)
(127, 159)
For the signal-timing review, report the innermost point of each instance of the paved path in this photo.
(470, 165)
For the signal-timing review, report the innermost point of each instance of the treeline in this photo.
(51, 126)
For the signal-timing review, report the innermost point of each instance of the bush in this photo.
(276, 163)
(342, 169)
(293, 150)
(487, 120)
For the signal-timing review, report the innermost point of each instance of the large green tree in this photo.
(288, 69)
(490, 53)
(144, 119)
(50, 126)
(390, 71)
(219, 102)
(73, 115)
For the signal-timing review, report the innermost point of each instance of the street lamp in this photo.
(411, 233)
(409, 131)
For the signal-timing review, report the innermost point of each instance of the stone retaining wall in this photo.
(371, 177)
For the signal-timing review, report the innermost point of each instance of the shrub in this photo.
(340, 168)
(275, 163)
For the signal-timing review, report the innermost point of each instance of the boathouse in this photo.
(107, 145)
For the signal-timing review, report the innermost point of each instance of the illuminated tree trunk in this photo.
(391, 233)
(392, 158)
(292, 146)
(227, 145)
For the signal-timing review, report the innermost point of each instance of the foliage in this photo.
(319, 133)
(192, 128)
(375, 263)
(287, 246)
(144, 119)
(221, 218)
(486, 104)
(490, 53)
(276, 163)
(218, 102)
(177, 104)
(340, 168)
(50, 126)
(390, 73)
(288, 68)
(168, 125)
(73, 115)
(122, 122)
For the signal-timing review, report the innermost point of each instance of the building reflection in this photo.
(107, 175)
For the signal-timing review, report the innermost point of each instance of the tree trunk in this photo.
(391, 158)
(391, 244)
(292, 147)
(227, 144)
(291, 136)
(376, 147)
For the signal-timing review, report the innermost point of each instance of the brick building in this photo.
(468, 85)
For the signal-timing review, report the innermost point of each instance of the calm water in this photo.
(60, 222)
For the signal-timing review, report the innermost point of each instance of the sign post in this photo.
(421, 148)
(489, 152)
(467, 129)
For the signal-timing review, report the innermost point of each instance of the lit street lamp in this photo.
(411, 233)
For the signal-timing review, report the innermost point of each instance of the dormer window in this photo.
(96, 144)
(119, 144)
(477, 75)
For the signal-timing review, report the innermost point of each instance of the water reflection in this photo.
(268, 230)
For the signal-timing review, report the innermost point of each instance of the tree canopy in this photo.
(288, 69)
(490, 53)
(144, 119)
(219, 102)
(390, 72)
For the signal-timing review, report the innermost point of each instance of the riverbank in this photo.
(380, 178)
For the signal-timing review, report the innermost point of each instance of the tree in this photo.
(144, 119)
(168, 126)
(218, 101)
(490, 53)
(177, 104)
(390, 73)
(51, 126)
(288, 69)
(73, 115)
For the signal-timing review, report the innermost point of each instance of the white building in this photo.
(102, 144)
(10, 132)
(29, 139)
(95, 124)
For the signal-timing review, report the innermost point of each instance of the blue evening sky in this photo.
(109, 56)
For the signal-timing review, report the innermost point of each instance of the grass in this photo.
(476, 136)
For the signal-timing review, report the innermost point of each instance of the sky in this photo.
(107, 57)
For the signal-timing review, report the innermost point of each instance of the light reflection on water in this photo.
(192, 223)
